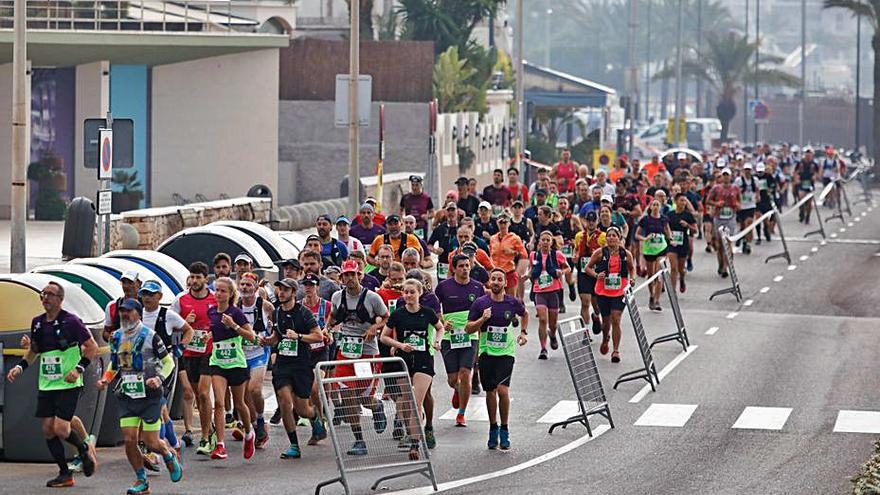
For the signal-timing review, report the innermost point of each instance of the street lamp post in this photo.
(803, 100)
(20, 116)
(520, 83)
(354, 175)
(858, 78)
(757, 50)
(679, 109)
(745, 136)
(648, 64)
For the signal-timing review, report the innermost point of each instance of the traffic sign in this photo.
(105, 154)
(365, 99)
(603, 159)
(105, 202)
(682, 131)
(123, 142)
(761, 113)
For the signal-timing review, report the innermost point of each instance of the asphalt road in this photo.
(802, 342)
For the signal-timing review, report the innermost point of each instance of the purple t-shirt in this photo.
(370, 282)
(416, 205)
(44, 338)
(218, 329)
(428, 300)
(455, 297)
(651, 225)
(365, 235)
(503, 312)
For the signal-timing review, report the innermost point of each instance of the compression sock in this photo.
(170, 435)
(76, 441)
(461, 411)
(504, 427)
(56, 448)
(291, 435)
(141, 474)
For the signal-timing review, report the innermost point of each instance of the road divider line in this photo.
(858, 219)
(765, 290)
(849, 224)
(731, 315)
(711, 331)
(778, 278)
(553, 454)
(665, 371)
(814, 249)
(792, 267)
(823, 242)
(804, 257)
(842, 230)
(749, 302)
(833, 235)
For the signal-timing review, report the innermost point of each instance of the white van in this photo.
(700, 134)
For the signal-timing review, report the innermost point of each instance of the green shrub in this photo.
(868, 481)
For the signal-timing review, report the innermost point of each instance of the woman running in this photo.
(548, 269)
(682, 226)
(586, 243)
(652, 233)
(612, 267)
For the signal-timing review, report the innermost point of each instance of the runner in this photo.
(505, 247)
(139, 358)
(130, 282)
(467, 202)
(484, 225)
(413, 333)
(725, 201)
(333, 251)
(396, 238)
(522, 227)
(222, 268)
(612, 267)
(517, 190)
(586, 243)
(494, 318)
(358, 329)
(364, 229)
(319, 351)
(312, 263)
(343, 231)
(548, 268)
(653, 232)
(442, 240)
(258, 312)
(65, 349)
(292, 376)
(193, 305)
(384, 258)
(229, 328)
(806, 173)
(409, 226)
(418, 204)
(565, 172)
(768, 187)
(458, 347)
(367, 279)
(745, 216)
(682, 225)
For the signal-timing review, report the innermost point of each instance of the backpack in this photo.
(360, 310)
(538, 265)
(403, 242)
(259, 324)
(604, 263)
(137, 357)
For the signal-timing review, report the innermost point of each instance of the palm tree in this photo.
(870, 11)
(726, 63)
(366, 18)
(445, 22)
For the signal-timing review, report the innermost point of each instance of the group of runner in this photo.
(369, 290)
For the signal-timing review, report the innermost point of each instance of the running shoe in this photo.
(302, 422)
(597, 324)
(554, 342)
(140, 487)
(175, 472)
(212, 440)
(493, 438)
(603, 349)
(758, 240)
(690, 265)
(248, 449)
(90, 461)
(380, 422)
(455, 399)
(397, 433)
(238, 431)
(404, 443)
(615, 357)
(319, 432)
(292, 452)
(359, 448)
(475, 382)
(75, 465)
(187, 438)
(203, 448)
(276, 417)
(747, 249)
(414, 450)
(459, 420)
(61, 481)
(682, 287)
(708, 248)
(572, 293)
(430, 439)
(219, 452)
(542, 354)
(262, 437)
(724, 274)
(151, 462)
(230, 422)
(504, 439)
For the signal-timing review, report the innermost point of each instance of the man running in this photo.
(130, 282)
(294, 332)
(724, 199)
(748, 188)
(193, 305)
(495, 317)
(363, 228)
(258, 312)
(140, 361)
(319, 351)
(458, 347)
(65, 349)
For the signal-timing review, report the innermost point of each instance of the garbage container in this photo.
(79, 229)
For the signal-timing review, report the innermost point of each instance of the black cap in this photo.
(415, 178)
(287, 282)
(290, 262)
(392, 218)
(469, 248)
(540, 191)
(311, 279)
(313, 236)
(461, 180)
(591, 216)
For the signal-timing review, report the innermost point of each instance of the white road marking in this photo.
(765, 290)
(778, 278)
(665, 371)
(762, 418)
(814, 249)
(749, 302)
(858, 219)
(823, 242)
(864, 213)
(563, 410)
(792, 267)
(849, 224)
(857, 422)
(711, 331)
(842, 230)
(834, 235)
(476, 410)
(804, 257)
(669, 415)
(553, 454)
(731, 315)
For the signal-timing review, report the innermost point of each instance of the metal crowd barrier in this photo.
(727, 243)
(680, 334)
(346, 396)
(648, 371)
(575, 337)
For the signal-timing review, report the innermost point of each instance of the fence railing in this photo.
(215, 16)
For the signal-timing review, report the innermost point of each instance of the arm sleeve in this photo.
(167, 366)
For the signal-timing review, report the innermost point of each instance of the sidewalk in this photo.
(43, 243)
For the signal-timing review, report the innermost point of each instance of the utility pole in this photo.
(803, 102)
(632, 77)
(354, 175)
(679, 108)
(648, 64)
(20, 116)
(858, 79)
(547, 37)
(520, 82)
(757, 50)
(699, 104)
(745, 136)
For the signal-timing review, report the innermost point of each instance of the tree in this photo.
(456, 84)
(366, 18)
(870, 11)
(726, 62)
(445, 22)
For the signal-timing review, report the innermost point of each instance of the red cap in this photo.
(350, 266)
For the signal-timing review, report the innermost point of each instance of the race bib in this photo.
(584, 262)
(544, 280)
(442, 271)
(417, 342)
(725, 213)
(50, 367)
(133, 386)
(656, 239)
(288, 347)
(419, 232)
(459, 339)
(392, 305)
(677, 238)
(199, 341)
(317, 346)
(567, 251)
(496, 338)
(351, 347)
(748, 198)
(250, 345)
(226, 352)
(762, 184)
(613, 281)
(806, 185)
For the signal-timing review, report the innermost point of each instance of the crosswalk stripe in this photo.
(668, 415)
(476, 411)
(762, 418)
(857, 422)
(561, 411)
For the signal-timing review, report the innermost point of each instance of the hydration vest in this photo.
(538, 265)
(259, 324)
(402, 247)
(137, 357)
(605, 262)
(360, 310)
